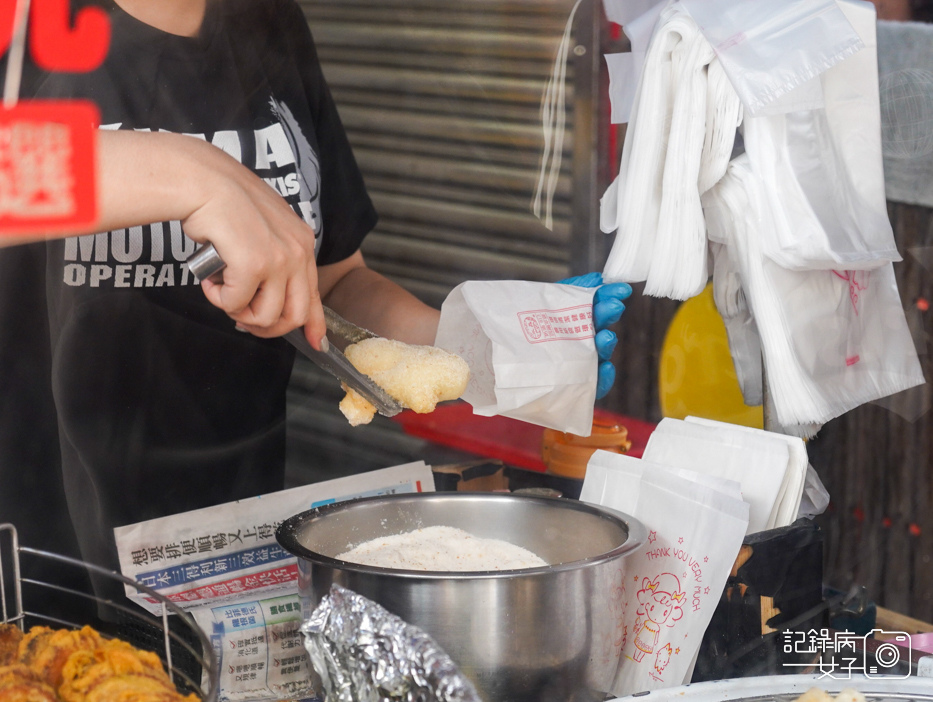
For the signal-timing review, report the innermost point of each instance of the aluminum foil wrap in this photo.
(364, 653)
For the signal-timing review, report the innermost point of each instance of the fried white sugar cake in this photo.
(418, 377)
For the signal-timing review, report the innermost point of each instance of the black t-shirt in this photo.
(161, 405)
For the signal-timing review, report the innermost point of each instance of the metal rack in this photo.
(186, 651)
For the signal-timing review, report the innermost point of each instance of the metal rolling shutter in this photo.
(441, 101)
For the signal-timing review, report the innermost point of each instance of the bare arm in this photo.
(270, 284)
(370, 300)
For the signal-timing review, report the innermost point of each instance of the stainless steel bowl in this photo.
(542, 634)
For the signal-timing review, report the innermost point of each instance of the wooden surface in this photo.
(876, 463)
(894, 621)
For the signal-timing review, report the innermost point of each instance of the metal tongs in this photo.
(206, 262)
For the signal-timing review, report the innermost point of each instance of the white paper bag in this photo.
(674, 581)
(800, 478)
(530, 350)
(614, 480)
(758, 460)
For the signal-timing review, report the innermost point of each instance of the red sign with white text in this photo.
(48, 166)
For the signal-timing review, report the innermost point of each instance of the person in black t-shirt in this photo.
(128, 389)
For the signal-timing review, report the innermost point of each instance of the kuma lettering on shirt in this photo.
(154, 255)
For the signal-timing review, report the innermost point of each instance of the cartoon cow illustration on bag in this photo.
(658, 606)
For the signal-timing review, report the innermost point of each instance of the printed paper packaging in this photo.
(530, 350)
(673, 583)
(759, 462)
(224, 566)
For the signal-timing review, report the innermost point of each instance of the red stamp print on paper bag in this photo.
(47, 166)
(571, 323)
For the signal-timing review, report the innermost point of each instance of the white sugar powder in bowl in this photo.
(441, 548)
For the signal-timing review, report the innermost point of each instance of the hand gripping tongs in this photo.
(206, 262)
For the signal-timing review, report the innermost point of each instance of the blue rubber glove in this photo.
(607, 310)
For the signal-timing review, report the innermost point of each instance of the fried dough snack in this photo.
(17, 673)
(20, 683)
(117, 672)
(47, 650)
(10, 636)
(418, 377)
(28, 692)
(63, 665)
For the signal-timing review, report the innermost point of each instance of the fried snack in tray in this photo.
(47, 650)
(418, 377)
(815, 694)
(20, 683)
(10, 636)
(17, 673)
(65, 665)
(117, 672)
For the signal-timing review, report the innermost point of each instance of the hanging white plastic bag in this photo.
(631, 205)
(741, 331)
(769, 48)
(679, 267)
(624, 12)
(848, 333)
(530, 350)
(638, 21)
(654, 205)
(822, 168)
(723, 116)
(832, 340)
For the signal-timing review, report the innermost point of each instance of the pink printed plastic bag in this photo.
(530, 350)
(769, 48)
(831, 340)
(822, 168)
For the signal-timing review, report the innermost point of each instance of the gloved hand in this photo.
(607, 310)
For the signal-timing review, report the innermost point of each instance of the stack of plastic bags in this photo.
(832, 340)
(699, 489)
(797, 225)
(669, 147)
